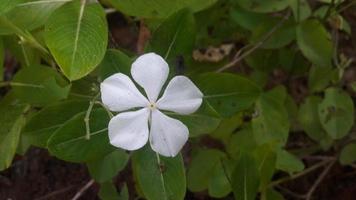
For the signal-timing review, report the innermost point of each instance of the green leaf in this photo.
(11, 121)
(158, 8)
(245, 178)
(301, 9)
(263, 6)
(246, 19)
(271, 123)
(263, 60)
(227, 127)
(320, 77)
(2, 59)
(266, 162)
(273, 195)
(26, 15)
(69, 142)
(288, 162)
(241, 141)
(309, 118)
(219, 185)
(202, 168)
(105, 169)
(76, 35)
(336, 113)
(44, 123)
(114, 61)
(228, 93)
(159, 177)
(6, 5)
(315, 42)
(348, 154)
(175, 36)
(108, 191)
(38, 84)
(280, 38)
(203, 121)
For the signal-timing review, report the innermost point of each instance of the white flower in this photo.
(132, 129)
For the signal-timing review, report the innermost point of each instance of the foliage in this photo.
(62, 53)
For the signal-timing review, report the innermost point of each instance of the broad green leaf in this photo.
(77, 35)
(271, 123)
(114, 61)
(245, 178)
(29, 15)
(44, 123)
(108, 191)
(105, 169)
(219, 185)
(2, 59)
(241, 141)
(273, 195)
(320, 77)
(6, 5)
(281, 37)
(227, 127)
(336, 113)
(158, 8)
(309, 118)
(202, 168)
(228, 93)
(301, 9)
(38, 84)
(315, 42)
(175, 36)
(159, 177)
(266, 162)
(263, 6)
(203, 121)
(11, 120)
(263, 60)
(288, 162)
(69, 142)
(348, 154)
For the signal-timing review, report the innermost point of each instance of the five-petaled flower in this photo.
(131, 130)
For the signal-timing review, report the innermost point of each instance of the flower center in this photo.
(152, 106)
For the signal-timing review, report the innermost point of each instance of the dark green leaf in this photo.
(114, 61)
(301, 9)
(320, 77)
(288, 162)
(105, 169)
(77, 34)
(228, 93)
(69, 141)
(245, 178)
(2, 59)
(348, 154)
(159, 177)
(263, 6)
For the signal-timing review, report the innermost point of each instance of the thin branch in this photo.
(83, 189)
(318, 181)
(257, 45)
(55, 193)
(87, 117)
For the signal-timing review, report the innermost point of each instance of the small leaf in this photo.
(288, 162)
(108, 191)
(228, 93)
(301, 9)
(2, 59)
(114, 61)
(336, 113)
(69, 142)
(44, 123)
(11, 121)
(266, 162)
(159, 177)
(40, 85)
(201, 168)
(219, 185)
(245, 178)
(309, 118)
(315, 42)
(105, 169)
(175, 36)
(76, 35)
(348, 154)
(320, 77)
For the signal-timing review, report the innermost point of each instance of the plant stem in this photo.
(10, 83)
(87, 117)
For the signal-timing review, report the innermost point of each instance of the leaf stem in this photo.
(87, 117)
(10, 83)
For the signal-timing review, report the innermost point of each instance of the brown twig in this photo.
(83, 189)
(57, 192)
(257, 45)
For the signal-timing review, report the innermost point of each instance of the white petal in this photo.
(129, 130)
(119, 93)
(150, 71)
(167, 135)
(181, 96)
